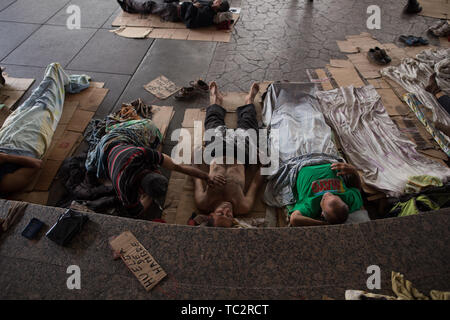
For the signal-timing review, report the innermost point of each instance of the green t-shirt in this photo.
(314, 181)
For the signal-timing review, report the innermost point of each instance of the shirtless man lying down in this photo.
(228, 200)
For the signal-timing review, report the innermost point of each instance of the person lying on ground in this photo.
(223, 202)
(134, 173)
(27, 133)
(323, 195)
(196, 14)
(444, 101)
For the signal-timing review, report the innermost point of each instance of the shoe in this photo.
(186, 93)
(199, 85)
(413, 7)
(384, 54)
(377, 57)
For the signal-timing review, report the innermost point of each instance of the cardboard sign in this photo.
(138, 260)
(161, 87)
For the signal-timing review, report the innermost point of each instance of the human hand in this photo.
(216, 180)
(344, 168)
(197, 4)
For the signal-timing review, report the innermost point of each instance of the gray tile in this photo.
(13, 34)
(5, 3)
(50, 44)
(32, 11)
(107, 24)
(108, 52)
(91, 15)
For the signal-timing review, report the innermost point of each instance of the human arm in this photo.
(249, 199)
(27, 162)
(346, 169)
(298, 220)
(192, 171)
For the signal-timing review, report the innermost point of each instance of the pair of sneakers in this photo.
(195, 88)
(413, 40)
(378, 56)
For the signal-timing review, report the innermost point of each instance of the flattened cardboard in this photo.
(345, 77)
(162, 117)
(68, 110)
(63, 146)
(324, 80)
(138, 260)
(347, 47)
(438, 154)
(379, 83)
(47, 175)
(95, 98)
(393, 105)
(80, 120)
(17, 84)
(161, 87)
(367, 69)
(435, 9)
(12, 96)
(133, 32)
(191, 115)
(341, 63)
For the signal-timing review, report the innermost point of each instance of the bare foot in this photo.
(215, 97)
(252, 94)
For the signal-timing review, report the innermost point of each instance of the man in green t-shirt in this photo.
(323, 193)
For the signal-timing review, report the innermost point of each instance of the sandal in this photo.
(376, 57)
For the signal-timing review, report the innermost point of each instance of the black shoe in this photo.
(413, 7)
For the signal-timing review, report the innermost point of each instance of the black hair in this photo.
(224, 6)
(154, 184)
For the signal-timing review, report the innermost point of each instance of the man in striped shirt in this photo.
(136, 179)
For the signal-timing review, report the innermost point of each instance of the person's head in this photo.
(154, 185)
(222, 216)
(221, 5)
(334, 210)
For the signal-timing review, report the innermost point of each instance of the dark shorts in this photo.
(445, 103)
(246, 119)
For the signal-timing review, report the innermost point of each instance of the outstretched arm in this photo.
(347, 169)
(249, 199)
(192, 171)
(298, 220)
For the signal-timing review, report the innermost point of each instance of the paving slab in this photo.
(5, 3)
(93, 13)
(32, 11)
(50, 44)
(21, 31)
(107, 52)
(214, 263)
